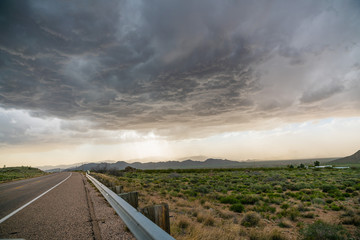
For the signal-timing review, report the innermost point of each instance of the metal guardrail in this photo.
(140, 226)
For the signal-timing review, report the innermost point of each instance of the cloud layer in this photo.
(180, 68)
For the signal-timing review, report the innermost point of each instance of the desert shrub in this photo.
(284, 223)
(264, 208)
(328, 188)
(248, 199)
(305, 198)
(276, 200)
(329, 200)
(260, 188)
(276, 235)
(346, 195)
(256, 235)
(307, 191)
(349, 190)
(223, 214)
(237, 207)
(318, 201)
(353, 220)
(202, 189)
(335, 207)
(293, 214)
(299, 186)
(309, 215)
(285, 206)
(229, 200)
(323, 231)
(250, 219)
(183, 224)
(190, 193)
(209, 221)
(262, 235)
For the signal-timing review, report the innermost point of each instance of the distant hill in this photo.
(355, 158)
(191, 164)
(50, 168)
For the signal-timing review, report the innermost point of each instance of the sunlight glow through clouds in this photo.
(329, 137)
(322, 138)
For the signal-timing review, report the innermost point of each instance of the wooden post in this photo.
(118, 189)
(159, 214)
(131, 198)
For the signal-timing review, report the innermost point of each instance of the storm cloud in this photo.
(181, 65)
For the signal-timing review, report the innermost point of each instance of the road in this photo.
(15, 194)
(62, 213)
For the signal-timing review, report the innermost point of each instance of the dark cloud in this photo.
(140, 64)
(317, 94)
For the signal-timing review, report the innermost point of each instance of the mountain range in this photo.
(201, 163)
(191, 164)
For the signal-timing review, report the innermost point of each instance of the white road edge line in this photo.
(27, 204)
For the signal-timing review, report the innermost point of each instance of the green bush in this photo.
(335, 207)
(229, 200)
(293, 214)
(328, 188)
(237, 207)
(284, 224)
(323, 231)
(250, 219)
(285, 206)
(276, 235)
(264, 208)
(309, 215)
(248, 199)
(318, 201)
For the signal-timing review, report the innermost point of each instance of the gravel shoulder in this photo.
(109, 223)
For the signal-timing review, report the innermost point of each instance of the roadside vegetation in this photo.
(8, 174)
(257, 203)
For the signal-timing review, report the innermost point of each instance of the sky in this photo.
(84, 81)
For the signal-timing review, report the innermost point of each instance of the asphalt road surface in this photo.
(13, 195)
(62, 213)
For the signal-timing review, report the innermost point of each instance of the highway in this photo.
(57, 206)
(62, 213)
(13, 195)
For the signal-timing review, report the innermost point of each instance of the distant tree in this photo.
(316, 163)
(130, 169)
(301, 165)
(290, 166)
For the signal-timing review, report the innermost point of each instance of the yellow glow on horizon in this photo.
(331, 137)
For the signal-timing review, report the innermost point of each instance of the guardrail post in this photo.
(159, 214)
(117, 189)
(131, 198)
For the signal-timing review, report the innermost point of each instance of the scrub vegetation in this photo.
(257, 203)
(8, 174)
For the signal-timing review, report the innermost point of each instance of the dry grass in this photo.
(204, 217)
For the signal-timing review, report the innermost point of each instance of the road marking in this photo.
(19, 187)
(27, 204)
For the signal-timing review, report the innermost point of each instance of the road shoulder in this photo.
(110, 224)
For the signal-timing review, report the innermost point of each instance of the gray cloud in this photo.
(142, 65)
(317, 94)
